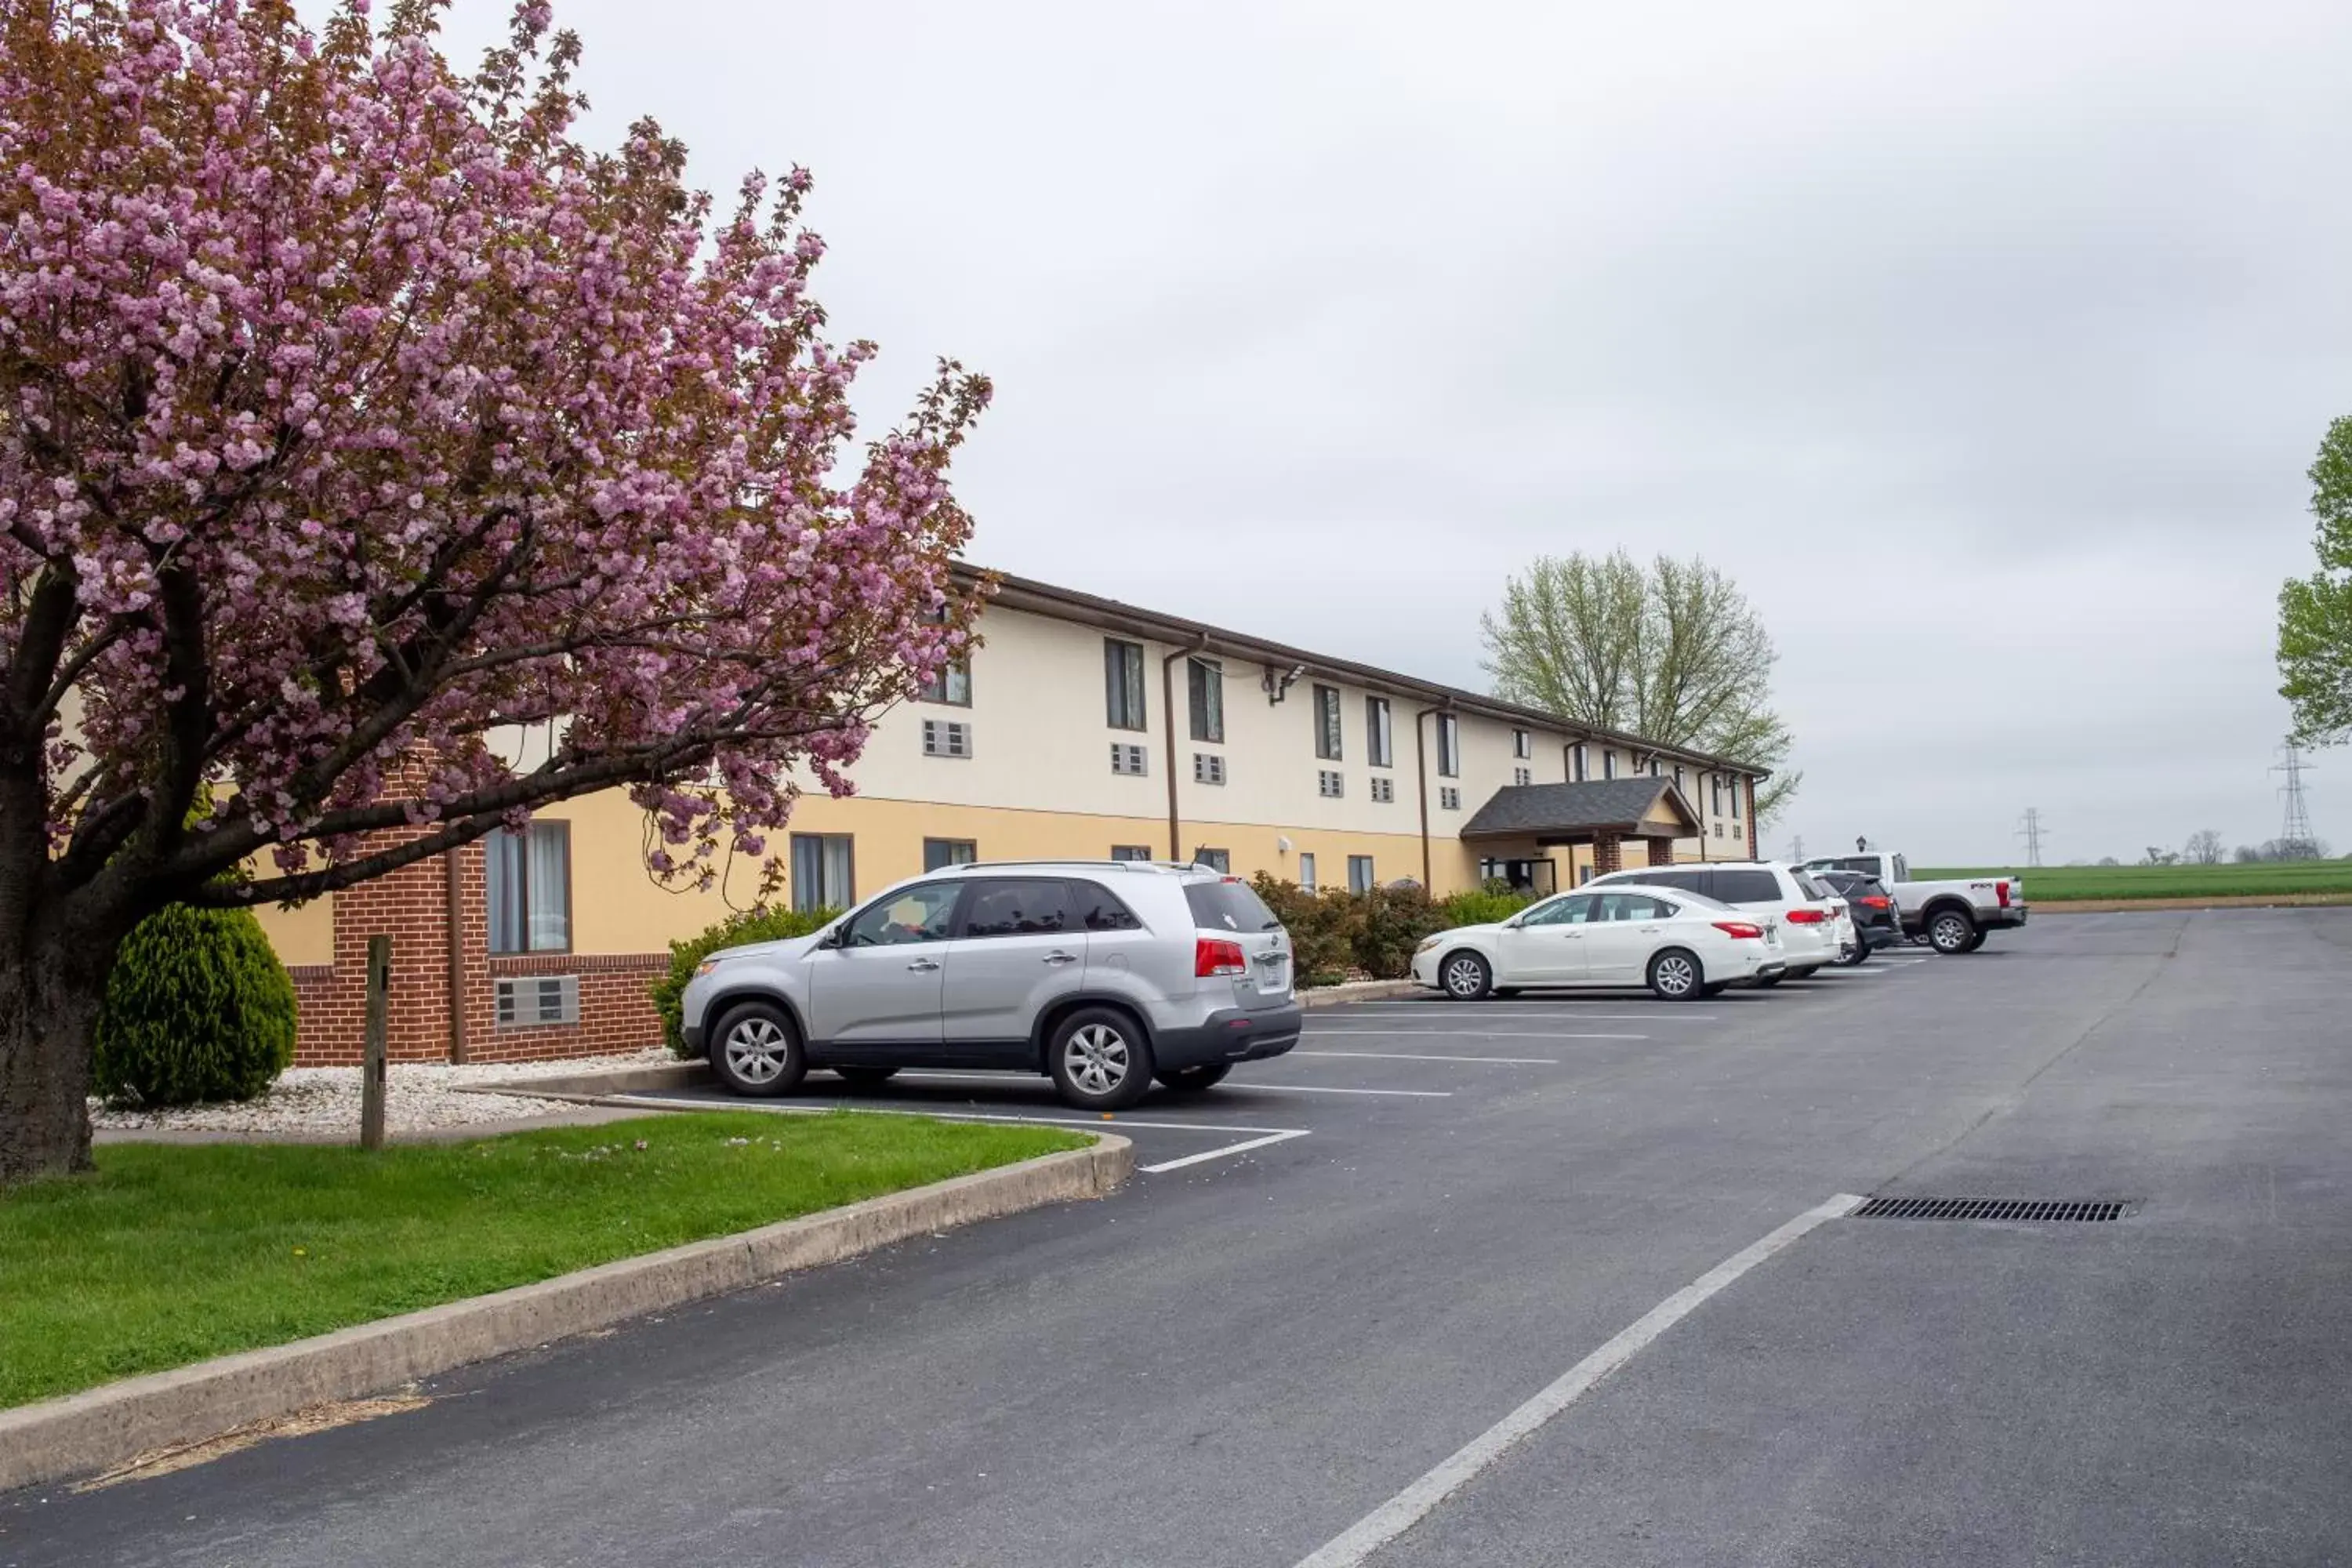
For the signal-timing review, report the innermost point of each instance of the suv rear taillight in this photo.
(1807, 917)
(1741, 929)
(1876, 902)
(2001, 891)
(1212, 956)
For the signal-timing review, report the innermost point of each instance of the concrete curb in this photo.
(1356, 991)
(100, 1429)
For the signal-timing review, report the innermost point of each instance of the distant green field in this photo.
(2060, 884)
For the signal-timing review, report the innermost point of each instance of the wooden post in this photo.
(371, 1070)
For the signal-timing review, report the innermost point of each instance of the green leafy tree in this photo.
(2315, 643)
(1672, 653)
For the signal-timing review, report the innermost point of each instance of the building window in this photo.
(530, 888)
(1360, 873)
(1131, 851)
(1449, 746)
(1523, 775)
(1715, 795)
(1522, 743)
(1581, 767)
(946, 738)
(951, 683)
(938, 854)
(1329, 784)
(1449, 798)
(1306, 872)
(1653, 767)
(1128, 758)
(1217, 861)
(1379, 746)
(1204, 683)
(1208, 768)
(1123, 706)
(1384, 789)
(1735, 798)
(1326, 722)
(1608, 763)
(824, 871)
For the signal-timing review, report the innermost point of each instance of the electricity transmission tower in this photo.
(2295, 825)
(1797, 849)
(2030, 830)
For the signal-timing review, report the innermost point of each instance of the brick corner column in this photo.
(1749, 786)
(1661, 851)
(1607, 854)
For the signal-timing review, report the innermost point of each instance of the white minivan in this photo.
(1814, 925)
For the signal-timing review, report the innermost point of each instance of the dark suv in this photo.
(1876, 921)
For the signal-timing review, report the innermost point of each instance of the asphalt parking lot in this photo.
(1349, 1310)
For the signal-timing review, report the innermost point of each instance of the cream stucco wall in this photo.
(305, 934)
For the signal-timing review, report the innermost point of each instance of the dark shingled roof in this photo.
(1518, 811)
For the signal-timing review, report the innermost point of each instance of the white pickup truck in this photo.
(1952, 916)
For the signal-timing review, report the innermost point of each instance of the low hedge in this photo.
(1334, 934)
(738, 930)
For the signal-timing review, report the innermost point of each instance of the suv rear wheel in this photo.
(757, 1050)
(1100, 1060)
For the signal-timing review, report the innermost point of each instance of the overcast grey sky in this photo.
(1984, 345)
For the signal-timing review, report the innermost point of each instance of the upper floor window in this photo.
(1379, 748)
(1523, 745)
(1579, 762)
(1653, 767)
(1123, 707)
(951, 682)
(1678, 777)
(1449, 746)
(1608, 764)
(1204, 685)
(1326, 722)
(1715, 794)
(1734, 797)
(530, 888)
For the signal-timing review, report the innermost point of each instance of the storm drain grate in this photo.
(2058, 1211)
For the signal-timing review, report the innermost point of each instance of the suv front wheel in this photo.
(757, 1051)
(1100, 1060)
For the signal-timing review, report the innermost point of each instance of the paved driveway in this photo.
(1350, 1264)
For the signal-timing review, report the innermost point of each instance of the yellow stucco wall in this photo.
(302, 935)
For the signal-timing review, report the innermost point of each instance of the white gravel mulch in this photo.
(420, 1096)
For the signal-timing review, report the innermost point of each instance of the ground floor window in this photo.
(1131, 851)
(1539, 877)
(1214, 859)
(824, 871)
(1360, 873)
(941, 853)
(530, 888)
(1306, 872)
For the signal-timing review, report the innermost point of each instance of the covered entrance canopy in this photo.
(1603, 815)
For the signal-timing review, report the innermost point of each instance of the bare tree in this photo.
(2204, 847)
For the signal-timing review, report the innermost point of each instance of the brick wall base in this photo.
(1661, 851)
(1608, 855)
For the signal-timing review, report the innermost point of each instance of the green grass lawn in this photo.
(169, 1253)
(2058, 884)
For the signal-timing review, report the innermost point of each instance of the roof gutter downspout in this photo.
(1420, 788)
(1167, 717)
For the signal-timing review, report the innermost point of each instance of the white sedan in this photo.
(1679, 944)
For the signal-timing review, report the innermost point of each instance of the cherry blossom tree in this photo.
(352, 415)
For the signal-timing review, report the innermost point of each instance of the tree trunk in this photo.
(50, 996)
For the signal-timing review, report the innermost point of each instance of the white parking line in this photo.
(1659, 1016)
(1407, 1057)
(1253, 1087)
(1851, 975)
(1220, 1153)
(1461, 1034)
(1353, 1545)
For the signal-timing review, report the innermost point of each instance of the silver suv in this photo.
(1102, 975)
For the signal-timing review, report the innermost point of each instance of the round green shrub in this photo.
(198, 1008)
(738, 930)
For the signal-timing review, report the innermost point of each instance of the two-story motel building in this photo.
(1080, 727)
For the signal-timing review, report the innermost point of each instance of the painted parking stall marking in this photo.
(1415, 1057)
